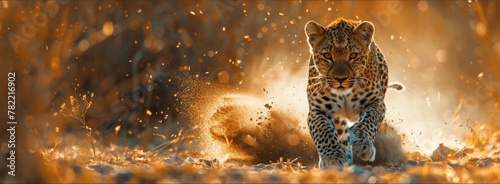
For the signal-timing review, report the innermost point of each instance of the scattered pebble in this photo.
(123, 177)
(412, 162)
(483, 163)
(190, 160)
(174, 160)
(102, 169)
(205, 162)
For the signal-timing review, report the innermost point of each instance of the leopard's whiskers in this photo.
(359, 87)
(311, 94)
(316, 87)
(318, 77)
(315, 84)
(360, 81)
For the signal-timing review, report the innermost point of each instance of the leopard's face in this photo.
(340, 52)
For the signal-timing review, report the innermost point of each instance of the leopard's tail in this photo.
(397, 86)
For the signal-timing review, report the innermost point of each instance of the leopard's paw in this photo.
(365, 150)
(327, 162)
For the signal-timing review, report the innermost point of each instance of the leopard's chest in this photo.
(347, 105)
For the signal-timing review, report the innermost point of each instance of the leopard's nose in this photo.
(340, 79)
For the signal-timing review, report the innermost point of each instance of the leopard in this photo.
(347, 82)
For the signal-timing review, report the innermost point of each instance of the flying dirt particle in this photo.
(268, 106)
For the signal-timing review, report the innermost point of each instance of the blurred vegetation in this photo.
(136, 56)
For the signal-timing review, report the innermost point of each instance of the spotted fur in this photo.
(347, 82)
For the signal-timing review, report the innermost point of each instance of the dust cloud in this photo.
(266, 121)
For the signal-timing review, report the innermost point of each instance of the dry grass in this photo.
(77, 109)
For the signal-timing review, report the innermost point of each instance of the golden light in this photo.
(107, 28)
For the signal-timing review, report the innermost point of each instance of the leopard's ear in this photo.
(364, 32)
(315, 34)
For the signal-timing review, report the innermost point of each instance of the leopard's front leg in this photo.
(326, 140)
(362, 134)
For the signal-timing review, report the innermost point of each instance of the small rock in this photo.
(205, 162)
(357, 170)
(124, 177)
(273, 178)
(412, 162)
(174, 160)
(235, 176)
(405, 166)
(215, 160)
(443, 153)
(189, 160)
(361, 174)
(484, 162)
(102, 169)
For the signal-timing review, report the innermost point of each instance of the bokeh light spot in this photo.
(481, 29)
(261, 6)
(211, 53)
(107, 28)
(441, 56)
(423, 5)
(83, 45)
(223, 77)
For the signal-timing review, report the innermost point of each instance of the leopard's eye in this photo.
(327, 55)
(353, 55)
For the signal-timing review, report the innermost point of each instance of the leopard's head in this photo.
(340, 51)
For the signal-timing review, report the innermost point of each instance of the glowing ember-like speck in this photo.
(117, 129)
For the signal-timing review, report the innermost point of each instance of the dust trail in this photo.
(235, 125)
(263, 121)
